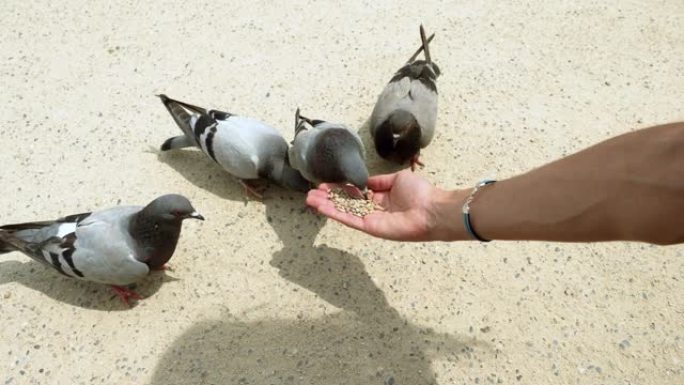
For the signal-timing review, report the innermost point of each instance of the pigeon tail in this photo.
(301, 122)
(426, 44)
(179, 113)
(9, 242)
(4, 246)
(175, 142)
(420, 49)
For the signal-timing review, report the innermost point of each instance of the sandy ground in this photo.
(269, 293)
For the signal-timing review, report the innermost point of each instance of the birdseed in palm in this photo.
(349, 204)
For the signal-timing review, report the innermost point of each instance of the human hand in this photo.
(412, 209)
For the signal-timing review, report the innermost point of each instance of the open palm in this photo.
(406, 202)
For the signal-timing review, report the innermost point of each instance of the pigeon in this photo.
(248, 149)
(118, 246)
(328, 153)
(404, 117)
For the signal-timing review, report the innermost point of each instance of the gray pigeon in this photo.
(118, 246)
(403, 120)
(328, 153)
(247, 148)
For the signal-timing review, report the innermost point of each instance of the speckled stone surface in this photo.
(269, 293)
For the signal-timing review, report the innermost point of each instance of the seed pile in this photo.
(350, 204)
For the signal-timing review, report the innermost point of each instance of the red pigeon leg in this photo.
(416, 161)
(125, 294)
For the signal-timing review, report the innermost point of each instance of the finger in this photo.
(316, 198)
(381, 182)
(327, 186)
(318, 193)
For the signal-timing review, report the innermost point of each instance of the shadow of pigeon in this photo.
(293, 221)
(85, 294)
(199, 170)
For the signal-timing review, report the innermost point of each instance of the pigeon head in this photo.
(398, 137)
(172, 208)
(157, 226)
(354, 170)
(337, 157)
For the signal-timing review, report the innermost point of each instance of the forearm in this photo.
(627, 188)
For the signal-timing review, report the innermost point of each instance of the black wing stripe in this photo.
(419, 70)
(68, 245)
(67, 257)
(429, 83)
(201, 125)
(56, 264)
(210, 143)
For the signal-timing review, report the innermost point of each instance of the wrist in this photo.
(445, 222)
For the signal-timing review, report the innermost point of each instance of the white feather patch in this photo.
(66, 228)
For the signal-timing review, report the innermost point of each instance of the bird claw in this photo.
(165, 267)
(125, 294)
(254, 189)
(416, 161)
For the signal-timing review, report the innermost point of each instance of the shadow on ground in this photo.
(367, 342)
(198, 169)
(88, 295)
(335, 349)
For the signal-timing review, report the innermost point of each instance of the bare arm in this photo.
(630, 188)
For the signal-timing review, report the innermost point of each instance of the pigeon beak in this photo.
(365, 193)
(395, 139)
(196, 215)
